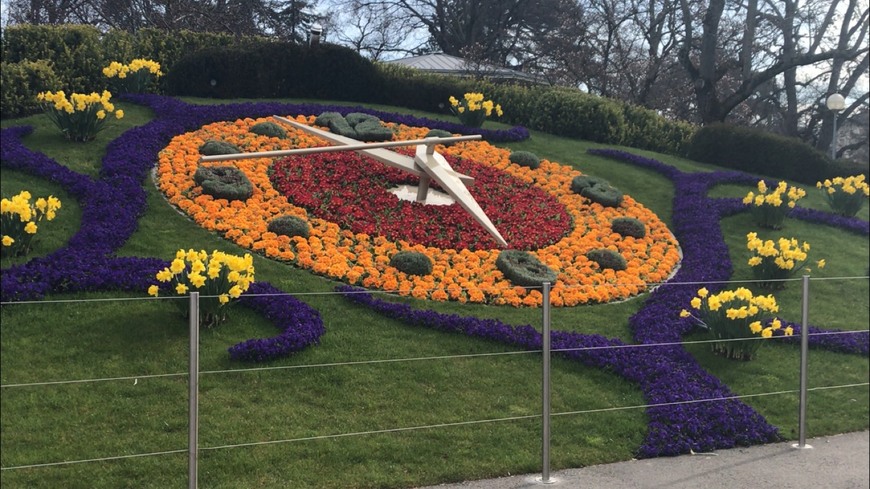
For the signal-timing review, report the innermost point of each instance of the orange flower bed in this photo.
(458, 274)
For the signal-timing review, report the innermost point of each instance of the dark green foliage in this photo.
(524, 269)
(606, 195)
(356, 125)
(597, 189)
(214, 147)
(270, 129)
(438, 133)
(525, 158)
(412, 262)
(628, 226)
(584, 181)
(267, 68)
(289, 226)
(606, 258)
(21, 82)
(73, 51)
(764, 153)
(224, 182)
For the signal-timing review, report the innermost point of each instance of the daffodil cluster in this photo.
(734, 319)
(19, 218)
(80, 116)
(769, 208)
(847, 195)
(472, 110)
(773, 261)
(135, 76)
(219, 278)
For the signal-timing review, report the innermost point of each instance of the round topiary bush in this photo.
(606, 258)
(372, 130)
(524, 269)
(356, 118)
(525, 158)
(628, 226)
(412, 262)
(325, 117)
(586, 181)
(269, 129)
(289, 226)
(224, 182)
(603, 194)
(215, 147)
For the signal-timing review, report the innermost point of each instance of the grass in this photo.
(111, 337)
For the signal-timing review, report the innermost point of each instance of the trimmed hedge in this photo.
(224, 182)
(525, 158)
(524, 269)
(214, 147)
(412, 263)
(606, 258)
(597, 190)
(19, 84)
(628, 226)
(757, 151)
(289, 226)
(269, 129)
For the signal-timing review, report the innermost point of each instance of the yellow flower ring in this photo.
(460, 274)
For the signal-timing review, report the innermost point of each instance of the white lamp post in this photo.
(835, 103)
(316, 30)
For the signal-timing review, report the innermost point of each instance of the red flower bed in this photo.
(354, 192)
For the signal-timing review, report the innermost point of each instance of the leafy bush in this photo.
(525, 158)
(214, 147)
(597, 190)
(628, 226)
(224, 182)
(19, 84)
(289, 226)
(269, 129)
(412, 263)
(606, 258)
(581, 182)
(524, 269)
(759, 152)
(356, 125)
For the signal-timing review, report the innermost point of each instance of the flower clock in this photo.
(357, 222)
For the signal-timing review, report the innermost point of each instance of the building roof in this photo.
(446, 64)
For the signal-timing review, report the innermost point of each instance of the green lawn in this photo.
(104, 336)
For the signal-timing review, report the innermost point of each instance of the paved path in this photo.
(833, 462)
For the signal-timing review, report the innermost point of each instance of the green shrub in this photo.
(524, 269)
(438, 133)
(214, 147)
(224, 182)
(412, 263)
(355, 118)
(269, 129)
(289, 226)
(525, 158)
(628, 226)
(356, 125)
(606, 258)
(606, 195)
(73, 51)
(21, 82)
(581, 182)
(759, 152)
(372, 130)
(597, 189)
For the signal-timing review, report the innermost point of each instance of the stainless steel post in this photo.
(802, 403)
(193, 383)
(545, 395)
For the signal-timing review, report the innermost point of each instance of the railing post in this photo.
(193, 383)
(802, 403)
(545, 388)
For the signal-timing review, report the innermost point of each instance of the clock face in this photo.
(357, 224)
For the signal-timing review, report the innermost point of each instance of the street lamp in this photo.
(316, 30)
(835, 103)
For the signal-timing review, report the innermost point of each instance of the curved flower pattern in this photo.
(465, 273)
